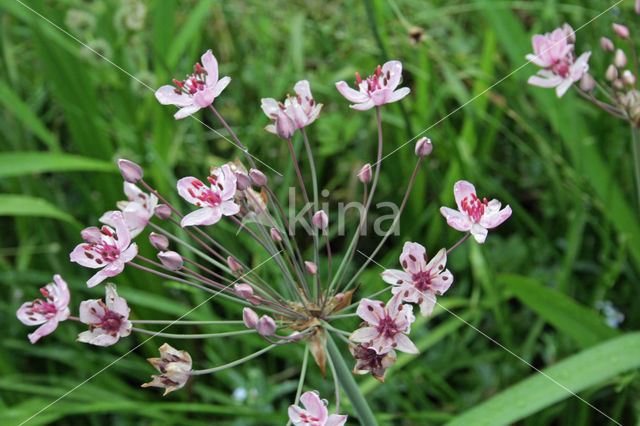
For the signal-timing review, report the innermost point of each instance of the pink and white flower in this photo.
(369, 361)
(48, 312)
(378, 89)
(420, 281)
(473, 214)
(215, 201)
(175, 367)
(314, 413)
(197, 91)
(136, 211)
(295, 113)
(105, 248)
(107, 322)
(387, 325)
(554, 53)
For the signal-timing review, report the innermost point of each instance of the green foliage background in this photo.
(563, 166)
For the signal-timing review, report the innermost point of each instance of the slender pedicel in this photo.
(234, 363)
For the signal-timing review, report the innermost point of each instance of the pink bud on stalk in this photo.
(587, 83)
(618, 84)
(257, 177)
(365, 173)
(320, 220)
(621, 30)
(249, 317)
(158, 241)
(312, 268)
(628, 78)
(162, 211)
(620, 59)
(606, 44)
(423, 147)
(611, 73)
(171, 260)
(275, 234)
(130, 171)
(234, 265)
(243, 291)
(266, 326)
(243, 181)
(92, 235)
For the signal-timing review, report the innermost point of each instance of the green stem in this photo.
(349, 385)
(635, 136)
(234, 363)
(303, 374)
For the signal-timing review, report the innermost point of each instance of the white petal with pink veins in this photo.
(79, 256)
(368, 104)
(220, 86)
(270, 107)
(494, 219)
(413, 258)
(399, 94)
(186, 111)
(204, 216)
(203, 98)
(479, 232)
(187, 183)
(167, 95)
(229, 208)
(364, 334)
(428, 303)
(461, 190)
(210, 64)
(404, 344)
(455, 219)
(352, 95)
(396, 277)
(371, 311)
(394, 68)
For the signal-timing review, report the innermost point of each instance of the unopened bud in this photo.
(606, 44)
(285, 127)
(171, 260)
(92, 235)
(162, 211)
(249, 317)
(255, 301)
(312, 268)
(618, 84)
(158, 241)
(365, 173)
(320, 220)
(130, 171)
(621, 30)
(275, 234)
(628, 78)
(569, 33)
(637, 7)
(234, 265)
(423, 147)
(587, 82)
(266, 326)
(257, 177)
(243, 181)
(620, 59)
(611, 73)
(243, 291)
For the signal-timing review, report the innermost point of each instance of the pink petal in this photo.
(115, 302)
(455, 219)
(364, 334)
(229, 208)
(111, 270)
(368, 104)
(271, 128)
(187, 183)
(408, 293)
(562, 88)
(43, 330)
(479, 232)
(396, 277)
(204, 216)
(226, 182)
(167, 95)
(352, 95)
(336, 420)
(495, 219)
(26, 318)
(535, 80)
(121, 228)
(98, 338)
(405, 345)
(186, 111)
(87, 309)
(461, 190)
(78, 256)
(442, 282)
(61, 293)
(302, 88)
(220, 86)
(270, 107)
(314, 405)
(210, 64)
(428, 303)
(294, 414)
(413, 258)
(370, 310)
(381, 96)
(395, 70)
(203, 98)
(536, 60)
(398, 94)
(438, 262)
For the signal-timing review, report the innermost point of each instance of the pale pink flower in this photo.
(48, 312)
(110, 252)
(213, 201)
(369, 361)
(420, 281)
(175, 367)
(378, 89)
(295, 113)
(197, 91)
(387, 325)
(473, 214)
(314, 413)
(136, 211)
(107, 322)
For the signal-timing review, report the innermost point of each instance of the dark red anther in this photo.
(106, 231)
(196, 183)
(358, 79)
(44, 292)
(379, 71)
(178, 83)
(191, 192)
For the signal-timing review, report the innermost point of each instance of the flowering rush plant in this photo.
(313, 291)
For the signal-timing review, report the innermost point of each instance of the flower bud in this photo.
(423, 147)
(611, 73)
(162, 211)
(587, 82)
(242, 181)
(365, 173)
(234, 265)
(130, 171)
(257, 177)
(92, 235)
(266, 326)
(285, 127)
(158, 241)
(606, 44)
(320, 220)
(620, 59)
(312, 268)
(621, 30)
(628, 78)
(255, 301)
(618, 84)
(569, 33)
(171, 260)
(243, 291)
(275, 234)
(637, 7)
(249, 317)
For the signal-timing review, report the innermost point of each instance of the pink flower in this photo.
(473, 214)
(387, 325)
(314, 413)
(197, 91)
(107, 322)
(214, 201)
(369, 361)
(110, 252)
(175, 367)
(297, 112)
(378, 89)
(48, 312)
(420, 281)
(554, 53)
(136, 212)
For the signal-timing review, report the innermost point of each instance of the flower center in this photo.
(377, 81)
(111, 322)
(309, 419)
(387, 327)
(422, 280)
(41, 307)
(207, 197)
(105, 250)
(193, 83)
(474, 207)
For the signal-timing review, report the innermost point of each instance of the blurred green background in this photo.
(545, 285)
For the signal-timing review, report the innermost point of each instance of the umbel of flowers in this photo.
(315, 291)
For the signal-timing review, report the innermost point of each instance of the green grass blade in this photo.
(24, 205)
(27, 163)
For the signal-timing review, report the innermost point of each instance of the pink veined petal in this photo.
(87, 309)
(413, 258)
(136, 219)
(226, 182)
(536, 80)
(45, 329)
(121, 228)
(336, 420)
(315, 112)
(204, 216)
(370, 310)
(314, 405)
(297, 115)
(210, 64)
(408, 293)
(203, 98)
(394, 68)
(111, 270)
(34, 318)
(62, 295)
(381, 96)
(538, 41)
(270, 107)
(229, 208)
(394, 306)
(294, 414)
(398, 94)
(495, 219)
(186, 111)
(562, 88)
(132, 192)
(441, 283)
(97, 338)
(184, 185)
(220, 86)
(302, 88)
(364, 106)
(106, 217)
(479, 232)
(438, 262)
(352, 95)
(428, 303)
(404, 344)
(396, 277)
(78, 256)
(455, 219)
(536, 60)
(461, 190)
(63, 314)
(115, 302)
(364, 334)
(271, 128)
(167, 95)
